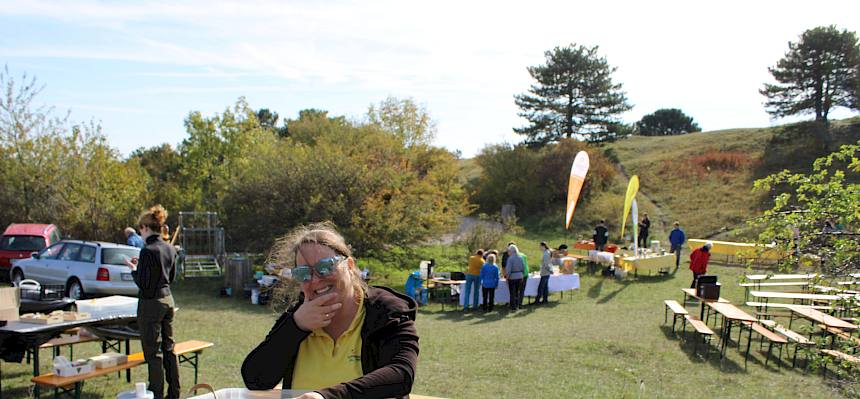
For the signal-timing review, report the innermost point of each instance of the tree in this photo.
(574, 96)
(667, 122)
(405, 119)
(818, 72)
(815, 224)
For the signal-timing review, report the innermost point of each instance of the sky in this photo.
(138, 68)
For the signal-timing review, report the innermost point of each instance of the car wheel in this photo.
(74, 289)
(17, 277)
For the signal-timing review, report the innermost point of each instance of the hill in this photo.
(704, 180)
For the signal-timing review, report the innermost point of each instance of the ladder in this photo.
(201, 266)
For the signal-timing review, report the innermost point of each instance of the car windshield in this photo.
(22, 243)
(118, 256)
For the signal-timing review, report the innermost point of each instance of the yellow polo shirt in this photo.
(475, 264)
(322, 362)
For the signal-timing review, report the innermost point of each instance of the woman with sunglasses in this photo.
(342, 339)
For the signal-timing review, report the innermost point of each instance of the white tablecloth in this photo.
(557, 283)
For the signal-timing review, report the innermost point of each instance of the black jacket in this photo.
(389, 350)
(156, 268)
(601, 235)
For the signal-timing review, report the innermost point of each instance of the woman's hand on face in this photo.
(310, 395)
(317, 313)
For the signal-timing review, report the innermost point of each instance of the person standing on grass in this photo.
(699, 261)
(153, 272)
(489, 282)
(514, 269)
(677, 239)
(644, 226)
(601, 236)
(545, 272)
(473, 280)
(505, 258)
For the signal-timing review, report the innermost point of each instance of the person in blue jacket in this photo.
(677, 239)
(489, 282)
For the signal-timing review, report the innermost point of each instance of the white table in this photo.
(557, 283)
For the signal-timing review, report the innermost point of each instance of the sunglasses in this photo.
(324, 268)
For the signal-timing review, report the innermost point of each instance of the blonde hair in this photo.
(491, 259)
(285, 249)
(155, 219)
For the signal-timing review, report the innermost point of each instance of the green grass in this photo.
(604, 340)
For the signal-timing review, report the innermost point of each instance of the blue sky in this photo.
(139, 67)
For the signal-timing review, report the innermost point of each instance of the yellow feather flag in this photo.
(578, 170)
(632, 189)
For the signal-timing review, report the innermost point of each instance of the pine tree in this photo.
(819, 72)
(574, 97)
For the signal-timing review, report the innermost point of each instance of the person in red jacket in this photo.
(699, 261)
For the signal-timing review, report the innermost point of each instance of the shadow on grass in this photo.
(501, 311)
(706, 354)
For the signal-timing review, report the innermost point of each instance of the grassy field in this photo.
(604, 340)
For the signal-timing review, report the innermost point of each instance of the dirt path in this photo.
(658, 216)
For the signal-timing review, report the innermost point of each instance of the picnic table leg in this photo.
(666, 316)
(747, 355)
(36, 389)
(127, 352)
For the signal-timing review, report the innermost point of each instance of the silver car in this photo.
(84, 267)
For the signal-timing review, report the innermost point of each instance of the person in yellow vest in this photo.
(342, 339)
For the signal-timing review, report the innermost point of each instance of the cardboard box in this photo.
(10, 314)
(10, 297)
(109, 359)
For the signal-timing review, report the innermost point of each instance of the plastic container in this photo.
(139, 392)
(255, 296)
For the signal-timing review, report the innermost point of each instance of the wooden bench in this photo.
(187, 352)
(797, 339)
(678, 311)
(747, 286)
(702, 330)
(764, 333)
(838, 356)
(836, 332)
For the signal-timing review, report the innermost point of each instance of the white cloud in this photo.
(466, 60)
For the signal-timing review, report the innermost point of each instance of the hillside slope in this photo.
(705, 179)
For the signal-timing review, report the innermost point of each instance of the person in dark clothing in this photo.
(505, 258)
(601, 236)
(644, 226)
(153, 272)
(342, 338)
(677, 238)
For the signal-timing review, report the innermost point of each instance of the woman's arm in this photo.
(392, 380)
(266, 365)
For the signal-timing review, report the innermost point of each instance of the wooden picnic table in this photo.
(691, 292)
(731, 314)
(795, 296)
(819, 317)
(759, 277)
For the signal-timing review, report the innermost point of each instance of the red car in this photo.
(22, 239)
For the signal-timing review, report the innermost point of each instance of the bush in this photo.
(535, 180)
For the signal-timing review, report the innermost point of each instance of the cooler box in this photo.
(709, 291)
